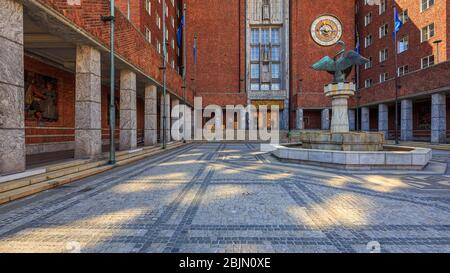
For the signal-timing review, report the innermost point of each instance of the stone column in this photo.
(299, 119)
(365, 119)
(352, 120)
(438, 118)
(128, 123)
(176, 115)
(243, 120)
(187, 122)
(150, 112)
(165, 115)
(284, 116)
(383, 120)
(406, 123)
(339, 120)
(88, 134)
(12, 132)
(326, 119)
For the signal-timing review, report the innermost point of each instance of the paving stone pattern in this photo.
(230, 198)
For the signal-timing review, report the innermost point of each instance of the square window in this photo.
(255, 71)
(255, 36)
(254, 87)
(275, 71)
(265, 87)
(275, 36)
(255, 53)
(275, 53)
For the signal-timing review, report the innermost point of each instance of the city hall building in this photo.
(55, 68)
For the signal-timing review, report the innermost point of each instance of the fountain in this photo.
(339, 147)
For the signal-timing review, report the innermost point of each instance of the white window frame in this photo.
(426, 5)
(430, 32)
(428, 63)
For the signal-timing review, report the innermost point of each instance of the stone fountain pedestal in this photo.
(342, 149)
(339, 137)
(340, 93)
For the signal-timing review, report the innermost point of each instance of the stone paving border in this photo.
(177, 228)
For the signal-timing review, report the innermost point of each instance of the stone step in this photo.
(17, 189)
(46, 185)
(11, 185)
(59, 170)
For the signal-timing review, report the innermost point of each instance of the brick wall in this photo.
(62, 130)
(143, 19)
(130, 42)
(307, 84)
(421, 81)
(220, 73)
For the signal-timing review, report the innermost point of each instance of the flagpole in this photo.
(112, 106)
(358, 94)
(195, 63)
(184, 71)
(164, 74)
(396, 75)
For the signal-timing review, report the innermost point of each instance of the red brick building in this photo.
(423, 68)
(223, 74)
(55, 61)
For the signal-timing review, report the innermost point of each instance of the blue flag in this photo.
(397, 22)
(180, 31)
(358, 47)
(195, 50)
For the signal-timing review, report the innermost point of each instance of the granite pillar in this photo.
(165, 118)
(383, 120)
(438, 118)
(88, 133)
(150, 112)
(284, 116)
(299, 119)
(406, 122)
(12, 132)
(175, 116)
(365, 119)
(352, 120)
(243, 120)
(128, 123)
(325, 119)
(187, 120)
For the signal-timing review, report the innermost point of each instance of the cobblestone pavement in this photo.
(232, 198)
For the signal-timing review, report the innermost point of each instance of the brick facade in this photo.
(130, 41)
(220, 72)
(435, 77)
(62, 130)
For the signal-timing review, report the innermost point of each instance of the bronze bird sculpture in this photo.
(341, 65)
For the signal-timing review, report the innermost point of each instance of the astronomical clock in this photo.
(326, 30)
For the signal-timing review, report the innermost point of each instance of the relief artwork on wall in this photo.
(424, 120)
(40, 97)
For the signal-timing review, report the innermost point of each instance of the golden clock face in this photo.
(326, 30)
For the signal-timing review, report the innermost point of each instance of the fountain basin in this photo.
(390, 158)
(350, 141)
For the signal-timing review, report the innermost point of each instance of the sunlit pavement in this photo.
(232, 198)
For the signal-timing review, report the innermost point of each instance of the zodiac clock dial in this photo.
(326, 30)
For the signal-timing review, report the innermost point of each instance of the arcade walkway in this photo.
(232, 198)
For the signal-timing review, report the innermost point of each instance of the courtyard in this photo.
(230, 197)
